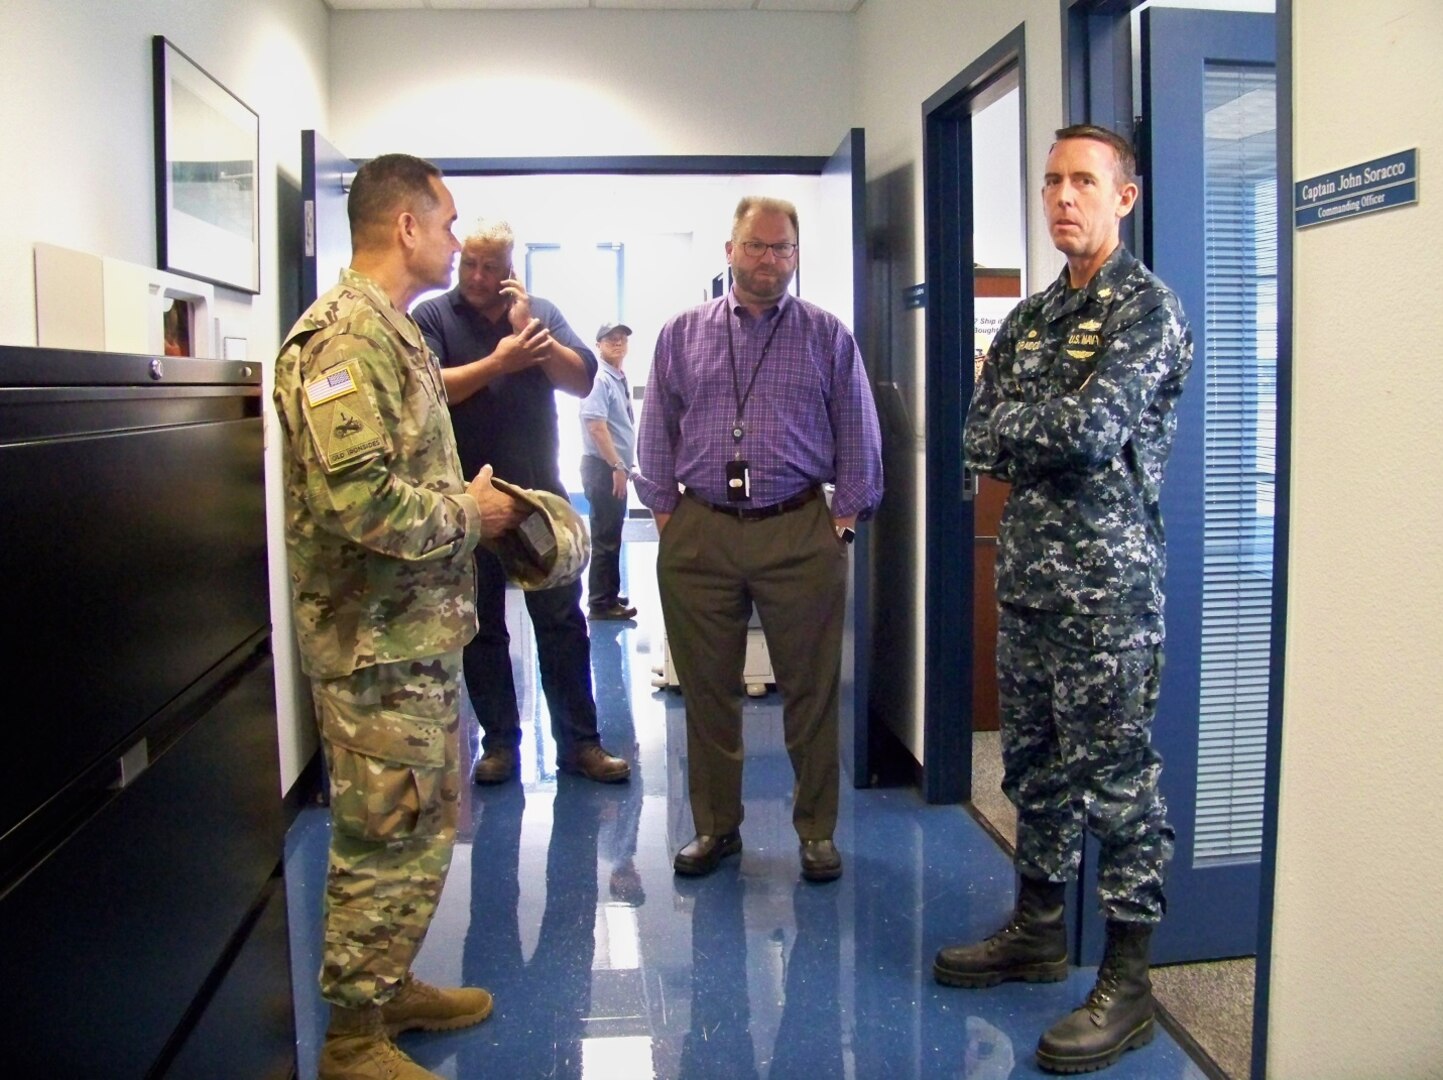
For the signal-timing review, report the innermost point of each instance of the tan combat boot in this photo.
(358, 1048)
(421, 1006)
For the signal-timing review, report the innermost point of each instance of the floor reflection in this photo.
(562, 902)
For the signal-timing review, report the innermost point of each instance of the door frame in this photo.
(636, 165)
(1097, 88)
(866, 729)
(950, 593)
(862, 735)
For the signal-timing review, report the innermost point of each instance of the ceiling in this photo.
(612, 5)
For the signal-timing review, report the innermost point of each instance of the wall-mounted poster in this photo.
(989, 312)
(207, 161)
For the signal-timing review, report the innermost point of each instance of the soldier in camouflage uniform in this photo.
(1074, 408)
(380, 527)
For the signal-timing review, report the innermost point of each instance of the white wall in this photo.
(999, 224)
(588, 83)
(1358, 942)
(78, 169)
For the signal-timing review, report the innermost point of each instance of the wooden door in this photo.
(990, 497)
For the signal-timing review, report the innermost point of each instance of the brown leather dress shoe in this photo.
(821, 861)
(617, 612)
(705, 853)
(593, 762)
(496, 766)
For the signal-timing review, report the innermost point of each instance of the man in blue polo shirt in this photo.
(608, 459)
(503, 353)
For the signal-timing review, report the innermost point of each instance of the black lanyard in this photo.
(742, 398)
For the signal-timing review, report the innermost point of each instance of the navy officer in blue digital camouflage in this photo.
(1075, 409)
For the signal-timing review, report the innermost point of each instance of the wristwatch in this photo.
(619, 466)
(846, 534)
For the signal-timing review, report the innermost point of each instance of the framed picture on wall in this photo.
(207, 163)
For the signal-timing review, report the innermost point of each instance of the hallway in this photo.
(561, 900)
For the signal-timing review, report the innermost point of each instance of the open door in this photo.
(325, 180)
(953, 288)
(843, 232)
(1209, 163)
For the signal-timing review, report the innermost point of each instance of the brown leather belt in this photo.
(757, 513)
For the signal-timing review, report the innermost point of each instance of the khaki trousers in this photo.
(711, 568)
(391, 736)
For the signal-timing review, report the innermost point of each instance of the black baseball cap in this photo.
(611, 328)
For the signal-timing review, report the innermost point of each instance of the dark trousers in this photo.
(563, 650)
(1077, 698)
(608, 514)
(711, 568)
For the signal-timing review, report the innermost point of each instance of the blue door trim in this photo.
(637, 165)
(1097, 77)
(325, 234)
(848, 167)
(1095, 54)
(1282, 530)
(947, 610)
(1192, 931)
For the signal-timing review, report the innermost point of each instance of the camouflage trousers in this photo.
(1077, 695)
(391, 736)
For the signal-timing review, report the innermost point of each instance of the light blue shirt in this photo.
(610, 400)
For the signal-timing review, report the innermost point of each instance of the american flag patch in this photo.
(333, 384)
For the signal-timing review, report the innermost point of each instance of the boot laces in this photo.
(416, 990)
(1109, 979)
(389, 1055)
(1014, 926)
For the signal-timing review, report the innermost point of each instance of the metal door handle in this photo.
(970, 485)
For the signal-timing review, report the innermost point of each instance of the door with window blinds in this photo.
(1210, 173)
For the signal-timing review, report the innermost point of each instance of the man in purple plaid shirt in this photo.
(757, 399)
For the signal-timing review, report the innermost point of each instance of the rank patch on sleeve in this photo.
(344, 425)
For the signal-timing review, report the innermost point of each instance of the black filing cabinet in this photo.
(142, 911)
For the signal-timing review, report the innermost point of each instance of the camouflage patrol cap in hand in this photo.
(549, 548)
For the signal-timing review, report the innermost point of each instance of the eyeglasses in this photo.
(756, 249)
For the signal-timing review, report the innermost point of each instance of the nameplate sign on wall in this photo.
(1375, 185)
(914, 296)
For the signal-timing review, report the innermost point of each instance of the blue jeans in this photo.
(563, 650)
(608, 515)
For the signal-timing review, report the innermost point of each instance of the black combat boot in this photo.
(1032, 947)
(1118, 1013)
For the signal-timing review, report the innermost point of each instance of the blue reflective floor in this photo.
(562, 902)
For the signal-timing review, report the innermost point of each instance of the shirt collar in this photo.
(735, 306)
(402, 323)
(1109, 275)
(464, 308)
(1103, 287)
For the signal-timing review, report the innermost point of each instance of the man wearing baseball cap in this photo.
(608, 437)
